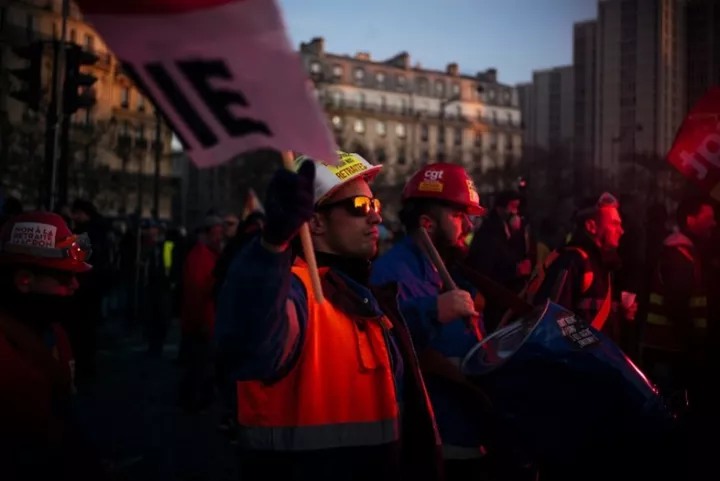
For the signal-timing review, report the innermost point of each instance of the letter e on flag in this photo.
(223, 73)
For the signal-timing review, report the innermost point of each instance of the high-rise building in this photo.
(112, 144)
(585, 67)
(641, 69)
(550, 124)
(703, 47)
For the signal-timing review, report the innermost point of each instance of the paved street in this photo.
(131, 416)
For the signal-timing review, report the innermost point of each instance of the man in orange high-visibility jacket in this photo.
(330, 390)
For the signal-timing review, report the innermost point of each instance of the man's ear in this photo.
(23, 279)
(591, 226)
(318, 224)
(427, 223)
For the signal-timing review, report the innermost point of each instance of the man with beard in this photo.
(440, 198)
(580, 277)
(39, 261)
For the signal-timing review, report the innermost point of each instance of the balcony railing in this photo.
(400, 111)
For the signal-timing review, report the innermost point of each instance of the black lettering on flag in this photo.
(199, 73)
(202, 132)
(129, 70)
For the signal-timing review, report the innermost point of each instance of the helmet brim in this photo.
(367, 175)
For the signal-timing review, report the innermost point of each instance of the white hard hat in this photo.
(329, 177)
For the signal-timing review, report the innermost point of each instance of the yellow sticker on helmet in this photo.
(348, 166)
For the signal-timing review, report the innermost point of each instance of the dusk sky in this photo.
(514, 36)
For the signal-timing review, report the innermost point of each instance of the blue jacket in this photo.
(256, 341)
(419, 285)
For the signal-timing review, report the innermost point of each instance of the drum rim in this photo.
(498, 332)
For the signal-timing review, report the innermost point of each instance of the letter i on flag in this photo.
(696, 150)
(252, 204)
(223, 73)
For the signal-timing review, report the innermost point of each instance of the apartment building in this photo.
(404, 116)
(114, 142)
(584, 91)
(703, 47)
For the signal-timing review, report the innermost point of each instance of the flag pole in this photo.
(289, 163)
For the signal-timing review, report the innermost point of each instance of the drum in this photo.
(568, 394)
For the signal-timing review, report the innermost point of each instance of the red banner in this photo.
(696, 150)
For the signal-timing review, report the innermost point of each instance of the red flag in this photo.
(223, 73)
(252, 204)
(696, 150)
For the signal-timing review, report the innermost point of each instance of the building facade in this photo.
(584, 90)
(641, 71)
(113, 158)
(404, 116)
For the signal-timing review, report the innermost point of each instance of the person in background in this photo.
(94, 285)
(40, 259)
(230, 224)
(197, 317)
(250, 228)
(498, 251)
(322, 387)
(11, 207)
(580, 278)
(677, 341)
(547, 239)
(155, 291)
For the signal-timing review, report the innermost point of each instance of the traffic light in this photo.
(77, 92)
(31, 75)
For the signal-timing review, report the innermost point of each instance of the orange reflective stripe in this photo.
(307, 438)
(341, 391)
(602, 316)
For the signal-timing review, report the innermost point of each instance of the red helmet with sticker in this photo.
(445, 182)
(43, 239)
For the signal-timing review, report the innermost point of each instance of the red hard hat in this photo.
(43, 239)
(445, 182)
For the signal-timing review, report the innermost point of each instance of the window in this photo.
(478, 139)
(424, 133)
(400, 131)
(441, 135)
(458, 111)
(383, 103)
(89, 43)
(359, 126)
(401, 157)
(337, 97)
(140, 132)
(88, 117)
(315, 67)
(494, 117)
(73, 35)
(422, 86)
(359, 75)
(403, 105)
(381, 129)
(125, 97)
(141, 103)
(337, 122)
(380, 155)
(400, 82)
(509, 118)
(125, 130)
(456, 89)
(458, 136)
(439, 88)
(362, 99)
(492, 94)
(380, 79)
(337, 71)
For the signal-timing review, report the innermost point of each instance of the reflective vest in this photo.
(168, 247)
(340, 392)
(659, 329)
(603, 305)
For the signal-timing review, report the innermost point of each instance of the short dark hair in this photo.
(412, 209)
(502, 199)
(690, 207)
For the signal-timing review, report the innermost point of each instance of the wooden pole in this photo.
(289, 163)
